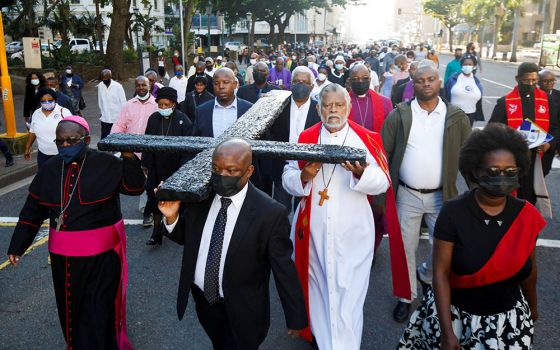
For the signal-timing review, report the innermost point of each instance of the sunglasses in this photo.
(509, 172)
(69, 140)
(47, 101)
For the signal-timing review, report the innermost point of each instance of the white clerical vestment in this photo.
(341, 243)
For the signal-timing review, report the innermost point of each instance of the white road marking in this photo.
(16, 185)
(499, 84)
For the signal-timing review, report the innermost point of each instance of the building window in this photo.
(155, 4)
(74, 2)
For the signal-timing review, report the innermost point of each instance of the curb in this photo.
(17, 175)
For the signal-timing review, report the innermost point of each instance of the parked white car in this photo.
(14, 46)
(77, 45)
(233, 45)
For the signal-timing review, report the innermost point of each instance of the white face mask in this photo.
(252, 61)
(35, 82)
(467, 69)
(143, 98)
(338, 66)
(321, 77)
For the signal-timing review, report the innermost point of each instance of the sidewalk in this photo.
(25, 168)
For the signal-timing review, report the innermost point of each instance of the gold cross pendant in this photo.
(324, 196)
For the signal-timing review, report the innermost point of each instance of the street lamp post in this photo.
(250, 30)
(208, 13)
(136, 11)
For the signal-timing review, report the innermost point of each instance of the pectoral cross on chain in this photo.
(324, 196)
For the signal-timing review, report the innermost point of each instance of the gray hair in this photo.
(150, 73)
(145, 77)
(334, 88)
(304, 70)
(427, 63)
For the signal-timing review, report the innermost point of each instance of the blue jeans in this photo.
(412, 206)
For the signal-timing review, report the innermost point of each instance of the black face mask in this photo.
(300, 91)
(107, 82)
(225, 186)
(498, 186)
(259, 77)
(525, 89)
(360, 87)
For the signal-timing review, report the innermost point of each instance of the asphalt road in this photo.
(28, 310)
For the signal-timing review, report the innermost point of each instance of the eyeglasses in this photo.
(495, 171)
(47, 101)
(69, 140)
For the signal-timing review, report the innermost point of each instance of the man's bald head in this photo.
(233, 157)
(224, 72)
(547, 79)
(358, 68)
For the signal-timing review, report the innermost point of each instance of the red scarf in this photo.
(511, 253)
(514, 110)
(378, 111)
(401, 282)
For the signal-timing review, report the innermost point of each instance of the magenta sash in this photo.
(93, 242)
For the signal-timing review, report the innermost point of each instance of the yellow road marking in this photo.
(29, 250)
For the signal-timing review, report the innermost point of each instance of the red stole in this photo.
(378, 112)
(401, 282)
(511, 253)
(514, 110)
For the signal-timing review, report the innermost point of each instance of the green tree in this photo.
(61, 21)
(147, 24)
(448, 12)
(21, 19)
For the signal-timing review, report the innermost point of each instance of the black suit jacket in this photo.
(280, 131)
(260, 243)
(204, 115)
(250, 92)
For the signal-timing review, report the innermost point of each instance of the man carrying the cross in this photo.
(334, 228)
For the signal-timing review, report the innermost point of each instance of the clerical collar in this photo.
(361, 96)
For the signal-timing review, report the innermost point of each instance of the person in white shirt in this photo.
(422, 139)
(374, 83)
(111, 99)
(210, 69)
(179, 83)
(464, 90)
(320, 82)
(43, 126)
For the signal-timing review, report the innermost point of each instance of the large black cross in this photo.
(191, 182)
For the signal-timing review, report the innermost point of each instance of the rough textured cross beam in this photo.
(191, 182)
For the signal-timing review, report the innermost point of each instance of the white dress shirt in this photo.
(223, 117)
(232, 214)
(422, 163)
(180, 85)
(298, 115)
(111, 100)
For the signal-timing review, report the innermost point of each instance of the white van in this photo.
(77, 45)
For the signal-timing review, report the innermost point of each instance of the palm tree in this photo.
(61, 21)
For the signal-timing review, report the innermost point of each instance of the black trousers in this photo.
(214, 320)
(105, 129)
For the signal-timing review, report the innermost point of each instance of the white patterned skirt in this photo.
(510, 330)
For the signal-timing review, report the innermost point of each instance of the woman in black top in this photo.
(33, 82)
(484, 297)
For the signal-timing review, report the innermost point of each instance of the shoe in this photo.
(425, 286)
(154, 239)
(148, 220)
(401, 311)
(9, 161)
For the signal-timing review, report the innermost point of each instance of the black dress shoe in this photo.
(425, 286)
(400, 313)
(154, 239)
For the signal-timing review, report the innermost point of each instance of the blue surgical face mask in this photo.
(178, 74)
(71, 153)
(165, 112)
(338, 66)
(467, 69)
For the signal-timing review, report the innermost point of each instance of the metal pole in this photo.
(209, 43)
(182, 33)
(6, 84)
